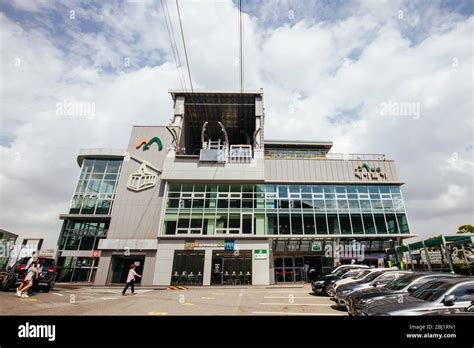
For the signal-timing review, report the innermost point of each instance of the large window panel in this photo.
(402, 223)
(309, 225)
(369, 224)
(333, 224)
(272, 224)
(357, 227)
(284, 223)
(345, 224)
(296, 224)
(380, 223)
(391, 223)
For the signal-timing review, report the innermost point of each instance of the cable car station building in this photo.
(208, 200)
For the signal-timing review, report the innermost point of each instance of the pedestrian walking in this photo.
(312, 274)
(131, 280)
(31, 274)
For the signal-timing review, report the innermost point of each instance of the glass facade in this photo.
(268, 209)
(82, 235)
(95, 191)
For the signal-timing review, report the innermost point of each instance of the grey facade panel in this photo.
(136, 214)
(302, 170)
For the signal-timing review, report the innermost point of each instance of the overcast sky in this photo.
(329, 71)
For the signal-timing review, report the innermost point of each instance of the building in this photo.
(208, 200)
(7, 244)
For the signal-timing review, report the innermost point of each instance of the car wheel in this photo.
(330, 290)
(46, 289)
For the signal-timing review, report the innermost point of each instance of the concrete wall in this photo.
(317, 171)
(165, 255)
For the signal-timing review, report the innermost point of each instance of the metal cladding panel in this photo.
(136, 214)
(302, 170)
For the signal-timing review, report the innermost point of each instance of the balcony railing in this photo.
(321, 155)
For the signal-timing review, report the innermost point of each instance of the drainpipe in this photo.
(427, 255)
(446, 253)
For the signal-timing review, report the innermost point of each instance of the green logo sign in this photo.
(260, 254)
(316, 247)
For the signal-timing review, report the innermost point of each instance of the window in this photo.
(309, 225)
(284, 223)
(369, 225)
(464, 292)
(321, 224)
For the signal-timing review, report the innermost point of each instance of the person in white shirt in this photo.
(131, 279)
(31, 273)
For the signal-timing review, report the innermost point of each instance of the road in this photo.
(192, 301)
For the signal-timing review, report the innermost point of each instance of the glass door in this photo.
(289, 272)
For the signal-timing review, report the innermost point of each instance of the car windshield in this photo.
(431, 290)
(371, 277)
(341, 272)
(362, 274)
(401, 283)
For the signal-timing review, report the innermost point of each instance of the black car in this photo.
(376, 279)
(45, 282)
(320, 286)
(469, 310)
(401, 286)
(436, 295)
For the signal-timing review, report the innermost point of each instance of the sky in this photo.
(391, 77)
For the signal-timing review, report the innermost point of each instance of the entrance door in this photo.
(289, 272)
(217, 265)
(121, 266)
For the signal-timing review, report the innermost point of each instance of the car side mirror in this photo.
(9, 268)
(449, 300)
(411, 289)
(376, 284)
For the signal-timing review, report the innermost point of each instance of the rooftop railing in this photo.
(320, 155)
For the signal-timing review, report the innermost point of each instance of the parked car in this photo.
(378, 278)
(396, 288)
(320, 286)
(15, 274)
(469, 310)
(361, 273)
(455, 292)
(353, 266)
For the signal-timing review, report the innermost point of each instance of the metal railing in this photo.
(321, 155)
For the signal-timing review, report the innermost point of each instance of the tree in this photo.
(465, 229)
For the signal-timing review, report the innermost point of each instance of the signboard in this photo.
(95, 253)
(316, 247)
(229, 244)
(191, 245)
(260, 254)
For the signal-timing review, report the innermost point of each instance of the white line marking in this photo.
(322, 298)
(54, 293)
(294, 304)
(294, 313)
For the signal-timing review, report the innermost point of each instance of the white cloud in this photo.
(322, 79)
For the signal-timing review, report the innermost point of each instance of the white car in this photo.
(347, 266)
(358, 276)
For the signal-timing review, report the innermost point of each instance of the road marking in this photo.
(109, 298)
(177, 288)
(295, 313)
(157, 313)
(217, 293)
(188, 304)
(294, 304)
(234, 312)
(54, 293)
(208, 298)
(322, 298)
(28, 299)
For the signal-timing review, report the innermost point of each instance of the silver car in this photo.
(433, 296)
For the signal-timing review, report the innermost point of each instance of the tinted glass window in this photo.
(431, 291)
